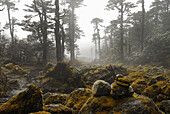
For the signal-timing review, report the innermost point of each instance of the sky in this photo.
(93, 9)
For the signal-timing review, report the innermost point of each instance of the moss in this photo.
(25, 102)
(56, 99)
(166, 89)
(41, 112)
(100, 104)
(164, 106)
(152, 91)
(77, 98)
(18, 70)
(139, 85)
(9, 65)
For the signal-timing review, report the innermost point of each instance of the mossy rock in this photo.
(139, 86)
(61, 71)
(133, 76)
(25, 102)
(129, 105)
(152, 81)
(160, 78)
(152, 91)
(9, 65)
(48, 66)
(166, 89)
(77, 98)
(119, 92)
(101, 88)
(165, 106)
(18, 70)
(56, 99)
(57, 109)
(41, 112)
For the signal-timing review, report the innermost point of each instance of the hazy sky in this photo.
(94, 8)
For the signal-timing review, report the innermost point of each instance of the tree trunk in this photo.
(121, 34)
(57, 34)
(143, 25)
(98, 36)
(10, 25)
(63, 41)
(72, 34)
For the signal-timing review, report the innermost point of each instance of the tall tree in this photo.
(142, 24)
(73, 4)
(41, 9)
(10, 6)
(122, 7)
(57, 32)
(96, 22)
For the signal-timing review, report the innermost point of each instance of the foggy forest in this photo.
(53, 60)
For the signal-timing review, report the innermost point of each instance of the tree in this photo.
(122, 7)
(73, 4)
(41, 9)
(10, 6)
(142, 24)
(96, 22)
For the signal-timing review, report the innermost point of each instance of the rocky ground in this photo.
(87, 89)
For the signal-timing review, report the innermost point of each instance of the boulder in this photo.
(139, 86)
(101, 88)
(56, 99)
(25, 102)
(152, 91)
(121, 88)
(57, 109)
(61, 79)
(136, 104)
(77, 98)
(165, 106)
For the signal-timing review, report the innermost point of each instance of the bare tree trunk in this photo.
(63, 41)
(121, 34)
(98, 36)
(72, 34)
(57, 33)
(143, 25)
(10, 25)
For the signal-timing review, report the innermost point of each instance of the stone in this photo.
(101, 88)
(25, 102)
(56, 99)
(57, 109)
(136, 104)
(77, 98)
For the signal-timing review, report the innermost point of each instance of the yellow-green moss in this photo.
(77, 98)
(101, 104)
(41, 112)
(25, 102)
(139, 85)
(9, 65)
(56, 99)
